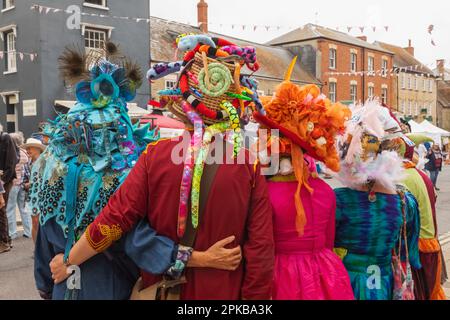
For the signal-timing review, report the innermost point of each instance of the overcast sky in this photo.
(407, 19)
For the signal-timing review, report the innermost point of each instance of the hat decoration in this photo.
(100, 81)
(365, 157)
(213, 96)
(308, 123)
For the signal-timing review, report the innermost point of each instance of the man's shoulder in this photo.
(161, 144)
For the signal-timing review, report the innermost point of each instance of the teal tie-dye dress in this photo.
(366, 234)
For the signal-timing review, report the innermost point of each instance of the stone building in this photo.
(414, 86)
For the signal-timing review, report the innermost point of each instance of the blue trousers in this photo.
(17, 198)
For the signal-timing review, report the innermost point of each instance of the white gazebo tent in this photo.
(428, 129)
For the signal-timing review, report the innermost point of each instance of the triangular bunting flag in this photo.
(56, 10)
(254, 28)
(40, 9)
(267, 28)
(21, 56)
(362, 29)
(374, 29)
(349, 29)
(32, 57)
(1, 55)
(386, 28)
(47, 10)
(433, 43)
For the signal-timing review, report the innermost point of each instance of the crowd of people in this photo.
(16, 161)
(109, 197)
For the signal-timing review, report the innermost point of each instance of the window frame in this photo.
(332, 95)
(353, 64)
(384, 95)
(103, 6)
(371, 65)
(6, 7)
(353, 92)
(371, 92)
(384, 67)
(332, 58)
(93, 31)
(10, 55)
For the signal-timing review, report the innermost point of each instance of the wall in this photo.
(420, 96)
(27, 78)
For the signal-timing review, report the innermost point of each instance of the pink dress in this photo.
(306, 268)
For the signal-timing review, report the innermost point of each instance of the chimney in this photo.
(441, 67)
(410, 48)
(363, 38)
(202, 16)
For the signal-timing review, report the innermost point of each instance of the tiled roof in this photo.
(311, 31)
(273, 61)
(403, 58)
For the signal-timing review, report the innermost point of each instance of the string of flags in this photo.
(392, 72)
(21, 55)
(363, 28)
(47, 10)
(254, 27)
(234, 26)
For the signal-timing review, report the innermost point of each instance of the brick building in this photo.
(415, 85)
(350, 69)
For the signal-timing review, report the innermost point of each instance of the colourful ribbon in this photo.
(186, 182)
(235, 125)
(210, 132)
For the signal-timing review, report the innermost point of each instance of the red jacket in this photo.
(238, 205)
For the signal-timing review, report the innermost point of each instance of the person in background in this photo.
(2, 191)
(17, 195)
(34, 148)
(434, 165)
(374, 216)
(8, 161)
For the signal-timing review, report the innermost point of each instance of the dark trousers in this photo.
(4, 231)
(433, 177)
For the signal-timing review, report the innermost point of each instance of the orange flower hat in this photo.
(307, 118)
(309, 122)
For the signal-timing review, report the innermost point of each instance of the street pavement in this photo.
(16, 266)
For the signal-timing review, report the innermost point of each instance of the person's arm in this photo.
(412, 230)
(125, 208)
(258, 248)
(157, 254)
(43, 254)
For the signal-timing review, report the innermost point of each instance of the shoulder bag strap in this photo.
(208, 176)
